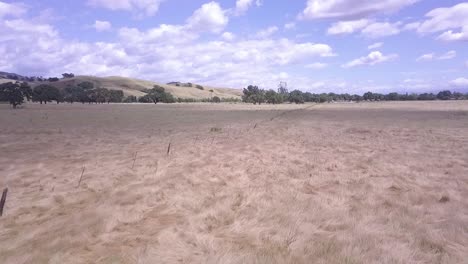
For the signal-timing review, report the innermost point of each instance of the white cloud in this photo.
(228, 36)
(460, 82)
(378, 30)
(449, 55)
(426, 57)
(140, 7)
(162, 34)
(347, 27)
(161, 53)
(375, 57)
(11, 10)
(102, 25)
(289, 26)
(242, 6)
(209, 17)
(265, 33)
(440, 19)
(345, 9)
(375, 45)
(452, 20)
(454, 36)
(316, 65)
(431, 56)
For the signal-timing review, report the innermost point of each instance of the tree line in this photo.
(255, 95)
(84, 92)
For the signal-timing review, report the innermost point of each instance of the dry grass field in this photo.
(330, 183)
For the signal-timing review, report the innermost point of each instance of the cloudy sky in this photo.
(313, 45)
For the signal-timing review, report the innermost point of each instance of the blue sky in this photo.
(313, 45)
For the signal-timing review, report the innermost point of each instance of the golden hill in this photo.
(135, 87)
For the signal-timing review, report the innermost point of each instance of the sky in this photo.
(342, 46)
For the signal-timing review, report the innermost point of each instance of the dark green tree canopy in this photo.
(252, 94)
(46, 93)
(14, 93)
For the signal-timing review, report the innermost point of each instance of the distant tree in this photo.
(115, 96)
(68, 75)
(46, 93)
(272, 97)
(296, 96)
(458, 96)
(369, 96)
(86, 85)
(130, 99)
(53, 79)
(252, 94)
(427, 97)
(145, 99)
(392, 97)
(444, 95)
(199, 87)
(216, 99)
(14, 93)
(158, 94)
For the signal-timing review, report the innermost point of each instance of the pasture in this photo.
(234, 183)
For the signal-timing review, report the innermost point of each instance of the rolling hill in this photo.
(135, 87)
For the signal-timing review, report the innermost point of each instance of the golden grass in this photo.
(331, 183)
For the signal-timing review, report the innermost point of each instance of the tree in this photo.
(216, 99)
(115, 96)
(68, 75)
(14, 93)
(46, 93)
(272, 97)
(53, 79)
(427, 97)
(252, 94)
(130, 99)
(444, 95)
(86, 85)
(369, 96)
(296, 96)
(158, 94)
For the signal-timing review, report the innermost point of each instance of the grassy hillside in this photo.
(135, 87)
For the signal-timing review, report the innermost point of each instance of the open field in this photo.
(330, 183)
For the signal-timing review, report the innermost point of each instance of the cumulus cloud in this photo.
(460, 82)
(242, 6)
(346, 9)
(161, 53)
(426, 57)
(228, 36)
(316, 65)
(347, 27)
(373, 58)
(432, 56)
(209, 17)
(265, 33)
(102, 25)
(139, 7)
(450, 35)
(440, 19)
(452, 20)
(375, 45)
(449, 55)
(378, 30)
(12, 10)
(289, 26)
